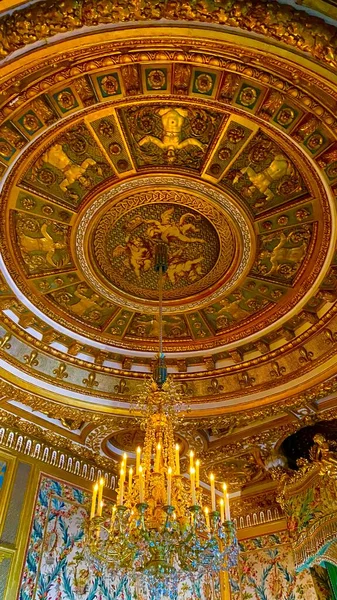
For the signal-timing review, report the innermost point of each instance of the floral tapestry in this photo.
(266, 571)
(57, 566)
(3, 466)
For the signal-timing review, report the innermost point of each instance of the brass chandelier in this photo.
(159, 534)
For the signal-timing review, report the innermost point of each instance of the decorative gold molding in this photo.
(295, 28)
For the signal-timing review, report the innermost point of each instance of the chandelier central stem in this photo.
(160, 266)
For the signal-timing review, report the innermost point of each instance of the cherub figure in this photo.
(277, 169)
(167, 229)
(138, 254)
(172, 122)
(72, 172)
(44, 244)
(233, 309)
(321, 453)
(280, 253)
(190, 268)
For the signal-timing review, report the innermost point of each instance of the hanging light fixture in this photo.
(158, 532)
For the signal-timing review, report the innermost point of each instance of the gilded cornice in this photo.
(280, 23)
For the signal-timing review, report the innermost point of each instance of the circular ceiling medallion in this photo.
(209, 242)
(124, 250)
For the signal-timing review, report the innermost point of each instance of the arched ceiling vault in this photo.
(210, 128)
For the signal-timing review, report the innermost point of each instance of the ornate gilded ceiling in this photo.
(223, 146)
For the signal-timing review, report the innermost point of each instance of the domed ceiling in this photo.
(218, 143)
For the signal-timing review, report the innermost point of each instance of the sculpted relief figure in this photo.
(282, 254)
(56, 157)
(172, 120)
(278, 168)
(138, 249)
(88, 308)
(322, 453)
(138, 254)
(43, 244)
(167, 229)
(179, 268)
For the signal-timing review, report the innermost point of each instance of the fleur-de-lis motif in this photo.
(90, 381)
(121, 387)
(305, 355)
(246, 380)
(277, 370)
(31, 359)
(330, 336)
(61, 371)
(215, 387)
(4, 341)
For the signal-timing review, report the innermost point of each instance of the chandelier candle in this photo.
(93, 501)
(191, 459)
(226, 501)
(100, 496)
(213, 492)
(197, 473)
(207, 518)
(121, 487)
(192, 476)
(130, 480)
(141, 485)
(138, 453)
(222, 510)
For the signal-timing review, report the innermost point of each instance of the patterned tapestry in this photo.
(266, 571)
(3, 466)
(57, 566)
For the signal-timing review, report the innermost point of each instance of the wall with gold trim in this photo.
(266, 556)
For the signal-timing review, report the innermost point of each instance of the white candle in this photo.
(177, 460)
(100, 496)
(121, 487)
(226, 501)
(93, 501)
(207, 518)
(169, 483)
(125, 457)
(192, 476)
(138, 453)
(113, 517)
(158, 456)
(212, 492)
(197, 475)
(130, 480)
(222, 510)
(191, 459)
(227, 509)
(141, 484)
